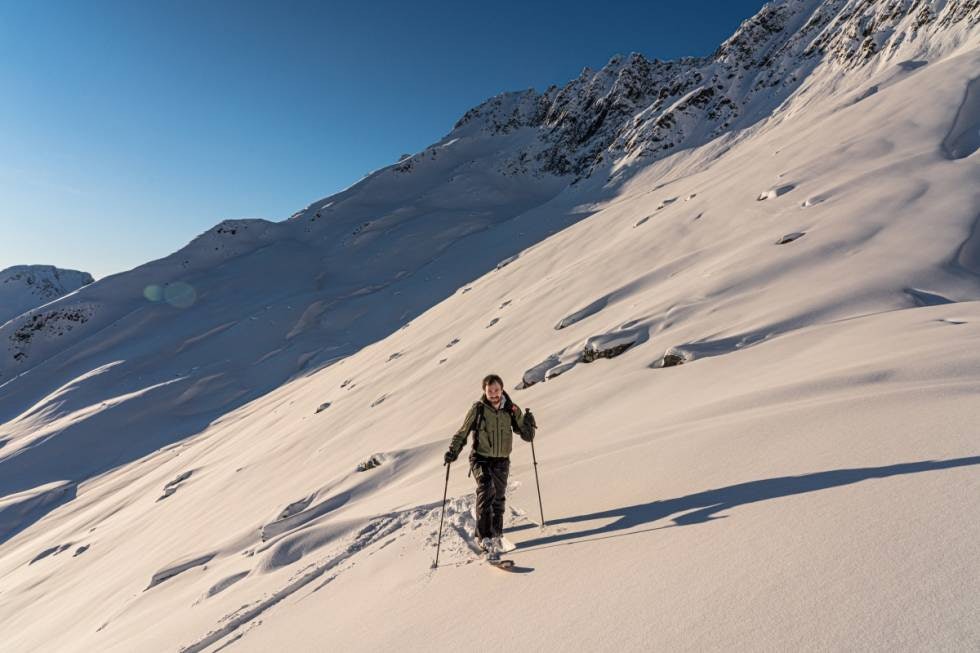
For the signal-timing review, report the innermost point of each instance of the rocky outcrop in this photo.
(24, 287)
(637, 108)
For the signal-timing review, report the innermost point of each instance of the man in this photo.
(493, 419)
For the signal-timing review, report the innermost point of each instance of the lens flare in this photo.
(179, 294)
(153, 292)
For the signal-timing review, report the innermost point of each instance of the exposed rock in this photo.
(607, 346)
(371, 463)
(673, 357)
(25, 287)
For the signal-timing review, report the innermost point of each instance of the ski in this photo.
(501, 563)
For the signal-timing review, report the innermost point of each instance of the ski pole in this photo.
(537, 482)
(439, 541)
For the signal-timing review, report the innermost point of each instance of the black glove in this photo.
(529, 419)
(530, 425)
(450, 457)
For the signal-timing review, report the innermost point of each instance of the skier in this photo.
(493, 419)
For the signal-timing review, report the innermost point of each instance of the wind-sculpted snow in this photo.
(174, 485)
(178, 568)
(926, 298)
(967, 255)
(19, 510)
(256, 425)
(773, 193)
(964, 136)
(790, 237)
(580, 315)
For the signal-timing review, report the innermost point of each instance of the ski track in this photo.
(457, 547)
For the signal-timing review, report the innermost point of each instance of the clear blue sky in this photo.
(127, 128)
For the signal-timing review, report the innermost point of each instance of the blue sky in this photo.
(127, 128)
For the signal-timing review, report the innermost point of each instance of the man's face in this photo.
(494, 392)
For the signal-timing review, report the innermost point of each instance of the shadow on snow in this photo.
(704, 506)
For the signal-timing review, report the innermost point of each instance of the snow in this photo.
(964, 136)
(23, 287)
(805, 479)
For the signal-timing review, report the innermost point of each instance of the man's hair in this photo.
(492, 378)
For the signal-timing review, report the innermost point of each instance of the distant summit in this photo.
(23, 287)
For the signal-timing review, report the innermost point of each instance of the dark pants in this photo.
(491, 486)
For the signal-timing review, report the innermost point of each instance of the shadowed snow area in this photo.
(964, 137)
(744, 310)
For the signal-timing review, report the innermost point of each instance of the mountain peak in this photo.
(23, 287)
(634, 107)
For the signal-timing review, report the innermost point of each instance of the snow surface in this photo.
(241, 444)
(23, 287)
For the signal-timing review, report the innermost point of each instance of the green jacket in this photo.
(495, 438)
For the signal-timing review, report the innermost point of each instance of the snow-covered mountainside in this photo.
(23, 287)
(741, 294)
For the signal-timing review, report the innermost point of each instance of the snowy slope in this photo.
(180, 470)
(23, 287)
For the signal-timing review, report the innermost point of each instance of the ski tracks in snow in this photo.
(378, 533)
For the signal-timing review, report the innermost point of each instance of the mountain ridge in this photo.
(25, 287)
(753, 361)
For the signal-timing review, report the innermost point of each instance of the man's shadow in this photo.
(703, 506)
